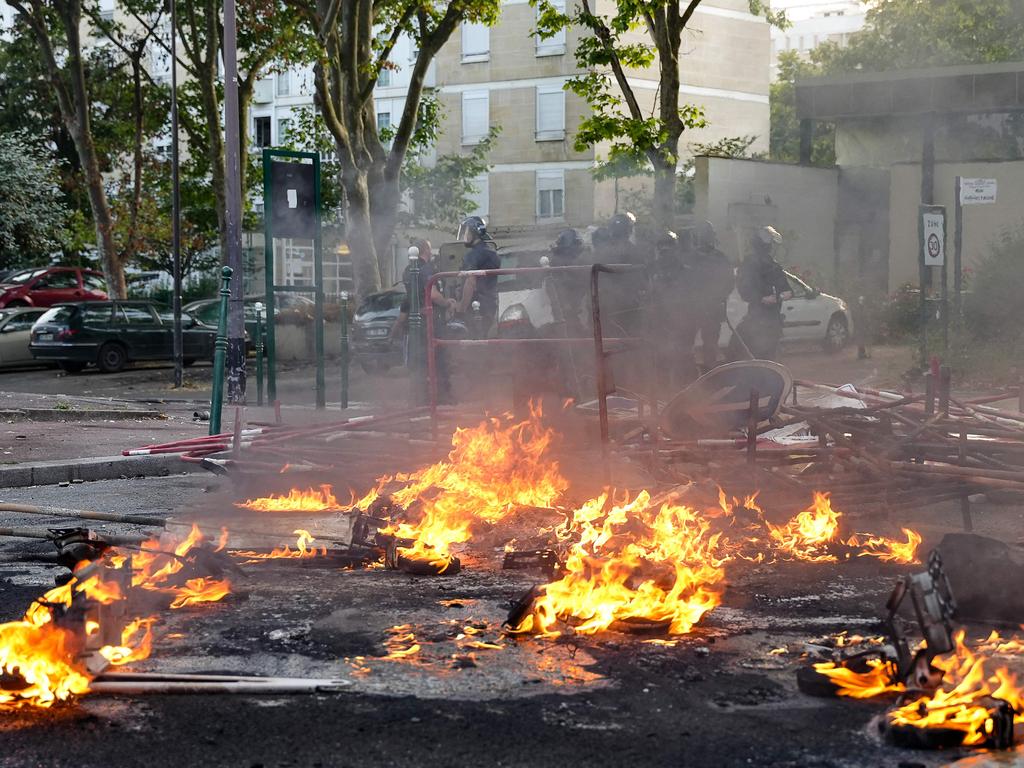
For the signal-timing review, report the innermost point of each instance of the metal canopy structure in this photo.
(963, 89)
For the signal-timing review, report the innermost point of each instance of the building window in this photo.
(476, 42)
(384, 78)
(481, 197)
(550, 194)
(284, 125)
(550, 113)
(476, 119)
(284, 83)
(555, 45)
(261, 132)
(384, 128)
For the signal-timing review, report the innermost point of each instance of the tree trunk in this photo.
(215, 153)
(359, 233)
(385, 196)
(664, 195)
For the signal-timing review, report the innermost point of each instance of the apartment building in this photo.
(815, 23)
(508, 77)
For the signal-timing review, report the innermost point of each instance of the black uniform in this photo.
(443, 370)
(484, 255)
(712, 278)
(761, 328)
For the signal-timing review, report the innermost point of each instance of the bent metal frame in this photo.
(601, 353)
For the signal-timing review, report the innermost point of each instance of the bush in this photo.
(997, 285)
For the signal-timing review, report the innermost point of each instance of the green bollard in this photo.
(220, 348)
(344, 349)
(259, 354)
(417, 389)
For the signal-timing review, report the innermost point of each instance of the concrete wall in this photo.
(739, 195)
(982, 223)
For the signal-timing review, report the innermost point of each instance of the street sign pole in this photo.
(958, 245)
(268, 276)
(931, 253)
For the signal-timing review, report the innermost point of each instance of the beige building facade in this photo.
(508, 78)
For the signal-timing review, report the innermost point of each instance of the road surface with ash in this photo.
(434, 681)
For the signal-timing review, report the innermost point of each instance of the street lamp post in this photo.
(233, 194)
(179, 365)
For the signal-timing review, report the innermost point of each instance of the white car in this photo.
(809, 316)
(15, 332)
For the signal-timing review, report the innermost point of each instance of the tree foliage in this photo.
(32, 211)
(900, 34)
(633, 35)
(356, 39)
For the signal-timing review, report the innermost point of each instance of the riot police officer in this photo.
(481, 253)
(763, 285)
(712, 279)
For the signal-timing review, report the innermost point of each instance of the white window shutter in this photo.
(476, 40)
(550, 113)
(475, 116)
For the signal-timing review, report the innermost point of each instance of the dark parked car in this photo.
(112, 334)
(371, 344)
(47, 286)
(206, 310)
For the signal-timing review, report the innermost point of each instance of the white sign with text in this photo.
(977, 191)
(934, 227)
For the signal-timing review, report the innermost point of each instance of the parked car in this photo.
(372, 347)
(15, 333)
(46, 286)
(111, 334)
(809, 316)
(206, 311)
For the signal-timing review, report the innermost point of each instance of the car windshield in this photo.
(20, 278)
(59, 315)
(381, 302)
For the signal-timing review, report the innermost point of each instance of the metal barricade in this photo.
(601, 352)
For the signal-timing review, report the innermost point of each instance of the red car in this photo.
(46, 286)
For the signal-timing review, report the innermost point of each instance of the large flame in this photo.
(42, 660)
(633, 561)
(492, 469)
(876, 679)
(968, 678)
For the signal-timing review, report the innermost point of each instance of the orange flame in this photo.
(874, 681)
(296, 500)
(303, 549)
(968, 679)
(633, 561)
(154, 569)
(133, 647)
(492, 470)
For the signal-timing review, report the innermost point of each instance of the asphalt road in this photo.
(716, 698)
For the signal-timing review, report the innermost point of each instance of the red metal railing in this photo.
(598, 340)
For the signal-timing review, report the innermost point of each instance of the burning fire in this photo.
(969, 679)
(304, 549)
(877, 679)
(492, 470)
(296, 500)
(632, 561)
(43, 657)
(813, 535)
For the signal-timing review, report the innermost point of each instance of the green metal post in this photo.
(220, 348)
(318, 279)
(416, 341)
(344, 349)
(259, 355)
(268, 261)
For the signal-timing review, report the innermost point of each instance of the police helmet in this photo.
(621, 225)
(705, 235)
(768, 236)
(600, 237)
(475, 224)
(568, 241)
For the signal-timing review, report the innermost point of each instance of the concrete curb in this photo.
(87, 470)
(74, 414)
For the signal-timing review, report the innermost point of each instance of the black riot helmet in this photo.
(474, 225)
(621, 226)
(705, 236)
(568, 243)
